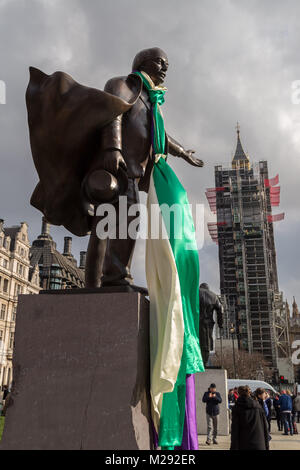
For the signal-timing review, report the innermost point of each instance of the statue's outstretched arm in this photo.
(178, 150)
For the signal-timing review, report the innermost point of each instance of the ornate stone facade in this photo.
(57, 271)
(16, 277)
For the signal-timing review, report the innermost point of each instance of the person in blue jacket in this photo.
(212, 398)
(286, 408)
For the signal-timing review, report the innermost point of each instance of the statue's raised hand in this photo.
(187, 155)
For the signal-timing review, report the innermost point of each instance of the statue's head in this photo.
(204, 286)
(154, 62)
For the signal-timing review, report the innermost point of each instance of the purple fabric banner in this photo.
(190, 434)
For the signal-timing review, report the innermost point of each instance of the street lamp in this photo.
(232, 332)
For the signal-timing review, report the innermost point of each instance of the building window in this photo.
(5, 263)
(1, 336)
(5, 286)
(11, 341)
(14, 313)
(18, 289)
(3, 312)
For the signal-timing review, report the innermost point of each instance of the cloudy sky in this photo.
(230, 60)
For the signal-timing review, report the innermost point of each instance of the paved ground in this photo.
(278, 442)
(223, 443)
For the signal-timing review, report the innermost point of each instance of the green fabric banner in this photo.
(157, 98)
(170, 191)
(179, 226)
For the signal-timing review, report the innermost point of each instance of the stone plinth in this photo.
(203, 381)
(81, 373)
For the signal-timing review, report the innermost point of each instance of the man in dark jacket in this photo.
(212, 398)
(269, 404)
(249, 430)
(286, 408)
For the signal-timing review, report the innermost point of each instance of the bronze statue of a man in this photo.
(127, 141)
(85, 144)
(209, 303)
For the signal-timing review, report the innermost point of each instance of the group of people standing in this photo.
(252, 414)
(287, 409)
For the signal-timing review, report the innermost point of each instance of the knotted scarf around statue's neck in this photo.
(172, 271)
(157, 98)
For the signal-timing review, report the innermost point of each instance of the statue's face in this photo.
(156, 68)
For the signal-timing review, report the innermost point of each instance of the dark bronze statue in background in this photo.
(209, 303)
(90, 147)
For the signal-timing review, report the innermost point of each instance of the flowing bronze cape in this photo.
(65, 121)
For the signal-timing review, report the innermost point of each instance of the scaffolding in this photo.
(242, 201)
(282, 326)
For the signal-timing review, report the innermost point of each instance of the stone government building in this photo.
(57, 271)
(27, 270)
(17, 276)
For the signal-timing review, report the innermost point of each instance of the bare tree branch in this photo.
(247, 364)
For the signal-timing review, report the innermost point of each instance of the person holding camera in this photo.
(212, 398)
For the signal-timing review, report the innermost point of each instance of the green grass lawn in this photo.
(1, 425)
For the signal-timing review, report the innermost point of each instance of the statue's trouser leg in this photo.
(204, 343)
(116, 269)
(95, 258)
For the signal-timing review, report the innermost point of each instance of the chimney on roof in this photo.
(68, 246)
(1, 224)
(45, 227)
(82, 259)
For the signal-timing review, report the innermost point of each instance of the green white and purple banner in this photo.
(172, 270)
